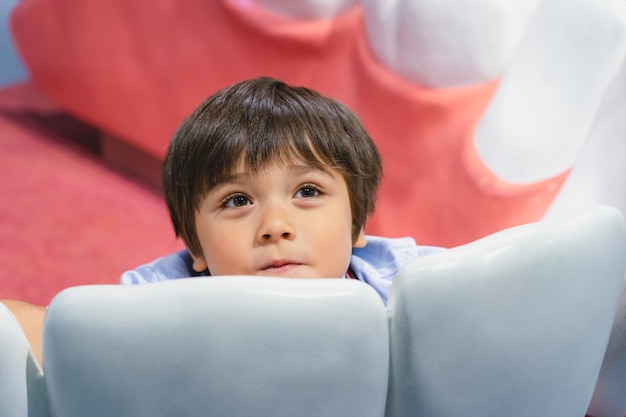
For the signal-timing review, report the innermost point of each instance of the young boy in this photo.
(268, 179)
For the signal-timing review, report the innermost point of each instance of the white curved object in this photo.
(539, 119)
(514, 324)
(219, 346)
(22, 392)
(444, 44)
(609, 396)
(599, 173)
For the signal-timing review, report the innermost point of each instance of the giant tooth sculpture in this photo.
(599, 170)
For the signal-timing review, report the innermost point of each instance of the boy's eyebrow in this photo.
(293, 170)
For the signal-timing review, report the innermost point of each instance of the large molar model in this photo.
(480, 111)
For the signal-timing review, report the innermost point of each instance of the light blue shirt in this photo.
(376, 264)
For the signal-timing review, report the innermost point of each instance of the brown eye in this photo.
(240, 201)
(308, 191)
(237, 200)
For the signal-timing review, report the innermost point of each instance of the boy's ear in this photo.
(360, 241)
(199, 264)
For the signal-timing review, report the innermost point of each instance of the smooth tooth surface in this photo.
(446, 44)
(541, 115)
(598, 174)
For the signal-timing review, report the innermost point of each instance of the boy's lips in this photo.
(279, 266)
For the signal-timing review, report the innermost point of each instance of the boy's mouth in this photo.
(279, 266)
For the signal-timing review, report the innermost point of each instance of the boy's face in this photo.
(285, 221)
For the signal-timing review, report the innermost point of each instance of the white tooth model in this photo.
(444, 44)
(551, 94)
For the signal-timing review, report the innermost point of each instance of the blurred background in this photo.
(67, 217)
(11, 71)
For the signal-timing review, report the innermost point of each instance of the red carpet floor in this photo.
(66, 218)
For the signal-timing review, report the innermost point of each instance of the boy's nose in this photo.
(276, 224)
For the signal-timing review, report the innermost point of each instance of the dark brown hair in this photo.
(259, 122)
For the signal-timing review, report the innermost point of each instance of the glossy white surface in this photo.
(514, 324)
(449, 43)
(540, 118)
(21, 381)
(219, 346)
(599, 173)
(609, 397)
